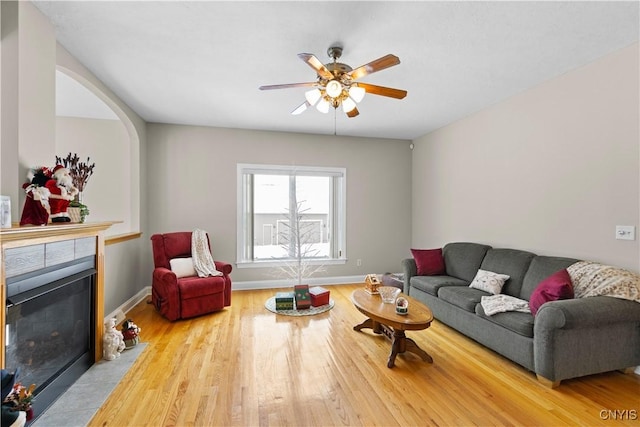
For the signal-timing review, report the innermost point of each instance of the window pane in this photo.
(312, 194)
(268, 193)
(271, 194)
(271, 204)
(272, 223)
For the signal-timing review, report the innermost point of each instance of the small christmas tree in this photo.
(297, 239)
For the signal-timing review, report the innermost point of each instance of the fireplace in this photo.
(49, 332)
(52, 281)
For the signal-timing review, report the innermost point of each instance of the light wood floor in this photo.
(245, 366)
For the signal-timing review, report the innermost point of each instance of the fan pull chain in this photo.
(334, 122)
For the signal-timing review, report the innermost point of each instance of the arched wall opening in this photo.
(94, 127)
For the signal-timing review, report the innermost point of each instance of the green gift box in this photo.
(303, 298)
(284, 300)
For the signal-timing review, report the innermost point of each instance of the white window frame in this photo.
(244, 223)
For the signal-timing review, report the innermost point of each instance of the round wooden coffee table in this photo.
(383, 319)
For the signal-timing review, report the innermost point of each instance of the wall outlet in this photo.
(625, 232)
(359, 262)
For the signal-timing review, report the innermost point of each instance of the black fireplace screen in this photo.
(49, 328)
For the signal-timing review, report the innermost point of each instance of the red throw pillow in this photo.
(429, 261)
(555, 287)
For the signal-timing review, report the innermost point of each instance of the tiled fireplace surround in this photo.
(26, 251)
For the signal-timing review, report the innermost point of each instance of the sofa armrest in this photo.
(409, 269)
(582, 313)
(224, 267)
(585, 336)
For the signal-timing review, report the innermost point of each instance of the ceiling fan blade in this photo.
(353, 113)
(315, 63)
(374, 66)
(288, 85)
(383, 91)
(301, 108)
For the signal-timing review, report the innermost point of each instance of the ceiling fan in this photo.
(336, 84)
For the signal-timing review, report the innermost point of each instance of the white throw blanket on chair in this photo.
(202, 259)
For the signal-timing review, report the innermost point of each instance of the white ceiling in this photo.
(201, 63)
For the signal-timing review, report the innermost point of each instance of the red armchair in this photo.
(181, 298)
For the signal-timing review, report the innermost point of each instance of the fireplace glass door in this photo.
(49, 333)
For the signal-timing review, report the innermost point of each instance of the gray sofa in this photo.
(566, 339)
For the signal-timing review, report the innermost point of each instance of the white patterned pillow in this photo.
(489, 281)
(182, 267)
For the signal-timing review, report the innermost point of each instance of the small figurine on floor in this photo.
(112, 341)
(130, 332)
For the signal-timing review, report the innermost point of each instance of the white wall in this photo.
(552, 170)
(192, 184)
(106, 142)
(28, 97)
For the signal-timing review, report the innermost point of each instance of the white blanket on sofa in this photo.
(202, 258)
(503, 303)
(592, 279)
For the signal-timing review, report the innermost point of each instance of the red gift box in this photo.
(319, 296)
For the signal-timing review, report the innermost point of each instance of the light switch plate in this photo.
(625, 232)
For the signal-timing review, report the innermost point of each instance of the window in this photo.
(286, 210)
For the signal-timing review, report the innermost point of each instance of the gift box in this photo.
(284, 300)
(303, 298)
(319, 296)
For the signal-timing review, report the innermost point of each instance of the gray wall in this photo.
(192, 184)
(552, 170)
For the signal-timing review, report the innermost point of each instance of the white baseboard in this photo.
(120, 312)
(637, 371)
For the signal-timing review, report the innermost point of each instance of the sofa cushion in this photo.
(462, 296)
(489, 281)
(463, 259)
(431, 284)
(555, 287)
(428, 261)
(540, 268)
(512, 262)
(197, 287)
(520, 323)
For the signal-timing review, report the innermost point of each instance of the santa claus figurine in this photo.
(62, 192)
(36, 205)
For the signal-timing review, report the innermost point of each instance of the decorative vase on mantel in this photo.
(77, 210)
(80, 173)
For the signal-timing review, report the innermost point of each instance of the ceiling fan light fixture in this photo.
(313, 96)
(357, 93)
(323, 106)
(348, 104)
(334, 88)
